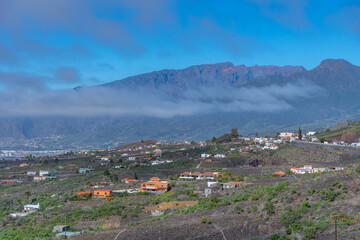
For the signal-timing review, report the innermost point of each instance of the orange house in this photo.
(84, 194)
(102, 193)
(128, 180)
(154, 185)
(280, 173)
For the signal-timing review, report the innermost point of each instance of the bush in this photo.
(205, 220)
(269, 208)
(288, 231)
(214, 200)
(306, 204)
(357, 169)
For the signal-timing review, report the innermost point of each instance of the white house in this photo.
(204, 155)
(310, 133)
(211, 184)
(219, 156)
(299, 170)
(31, 208)
(43, 173)
(132, 158)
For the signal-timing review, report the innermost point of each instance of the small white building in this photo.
(205, 155)
(44, 173)
(211, 184)
(132, 158)
(310, 133)
(31, 208)
(219, 156)
(299, 170)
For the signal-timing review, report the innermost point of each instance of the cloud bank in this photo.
(100, 101)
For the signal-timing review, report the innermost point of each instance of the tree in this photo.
(213, 139)
(300, 135)
(135, 176)
(56, 160)
(234, 132)
(27, 194)
(114, 177)
(106, 172)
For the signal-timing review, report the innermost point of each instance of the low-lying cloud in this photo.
(100, 101)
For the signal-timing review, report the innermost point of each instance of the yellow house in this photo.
(319, 170)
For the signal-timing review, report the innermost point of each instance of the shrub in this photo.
(288, 231)
(238, 209)
(357, 169)
(214, 200)
(205, 220)
(269, 208)
(306, 204)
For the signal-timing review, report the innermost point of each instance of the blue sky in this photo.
(65, 43)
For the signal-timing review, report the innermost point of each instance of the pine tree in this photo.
(300, 135)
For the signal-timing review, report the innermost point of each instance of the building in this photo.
(128, 180)
(211, 184)
(207, 192)
(36, 178)
(299, 170)
(318, 170)
(204, 155)
(310, 133)
(279, 173)
(31, 173)
(31, 208)
(6, 182)
(83, 194)
(336, 168)
(105, 158)
(197, 175)
(231, 184)
(61, 228)
(132, 158)
(44, 173)
(219, 156)
(102, 193)
(85, 170)
(154, 185)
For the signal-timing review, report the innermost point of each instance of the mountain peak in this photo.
(334, 63)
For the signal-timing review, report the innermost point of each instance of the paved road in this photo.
(198, 166)
(335, 148)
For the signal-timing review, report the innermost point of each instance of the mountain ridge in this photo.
(338, 82)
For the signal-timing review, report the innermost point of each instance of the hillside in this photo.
(247, 201)
(348, 131)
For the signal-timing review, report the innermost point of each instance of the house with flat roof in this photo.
(155, 185)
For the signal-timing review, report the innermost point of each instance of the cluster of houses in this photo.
(311, 169)
(42, 175)
(153, 185)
